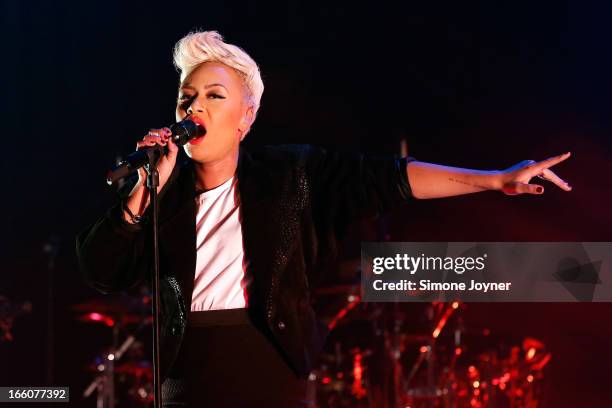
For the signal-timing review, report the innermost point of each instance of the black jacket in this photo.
(296, 200)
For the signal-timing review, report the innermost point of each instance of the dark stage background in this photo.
(471, 84)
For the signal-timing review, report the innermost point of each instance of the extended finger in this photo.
(544, 164)
(530, 188)
(553, 178)
(523, 188)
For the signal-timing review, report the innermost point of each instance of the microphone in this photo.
(185, 130)
(182, 132)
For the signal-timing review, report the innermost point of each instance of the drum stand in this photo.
(104, 384)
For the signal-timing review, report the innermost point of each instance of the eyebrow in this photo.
(189, 86)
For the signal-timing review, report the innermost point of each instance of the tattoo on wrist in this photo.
(467, 184)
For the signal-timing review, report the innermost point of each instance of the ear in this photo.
(247, 121)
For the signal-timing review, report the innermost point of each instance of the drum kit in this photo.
(420, 355)
(122, 373)
(377, 355)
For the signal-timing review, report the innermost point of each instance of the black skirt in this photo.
(226, 361)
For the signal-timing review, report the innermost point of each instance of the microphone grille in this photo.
(183, 131)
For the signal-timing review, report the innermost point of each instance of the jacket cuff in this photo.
(403, 184)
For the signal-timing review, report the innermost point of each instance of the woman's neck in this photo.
(213, 174)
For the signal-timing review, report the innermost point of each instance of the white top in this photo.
(220, 275)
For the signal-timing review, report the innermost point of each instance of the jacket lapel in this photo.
(259, 190)
(177, 230)
(259, 198)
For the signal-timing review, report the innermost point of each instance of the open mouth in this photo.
(196, 140)
(200, 130)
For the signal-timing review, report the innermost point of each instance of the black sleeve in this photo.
(112, 253)
(352, 186)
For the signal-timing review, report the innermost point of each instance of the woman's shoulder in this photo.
(282, 154)
(280, 150)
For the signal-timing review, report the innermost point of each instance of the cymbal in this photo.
(110, 321)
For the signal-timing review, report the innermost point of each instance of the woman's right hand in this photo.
(138, 199)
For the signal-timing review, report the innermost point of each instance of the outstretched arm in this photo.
(429, 180)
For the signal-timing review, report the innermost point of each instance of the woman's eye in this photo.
(184, 101)
(215, 96)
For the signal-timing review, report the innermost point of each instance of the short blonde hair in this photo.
(207, 46)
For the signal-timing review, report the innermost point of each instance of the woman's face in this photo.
(213, 96)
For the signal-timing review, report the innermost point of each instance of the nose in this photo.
(194, 107)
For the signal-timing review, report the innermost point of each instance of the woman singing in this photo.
(243, 234)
